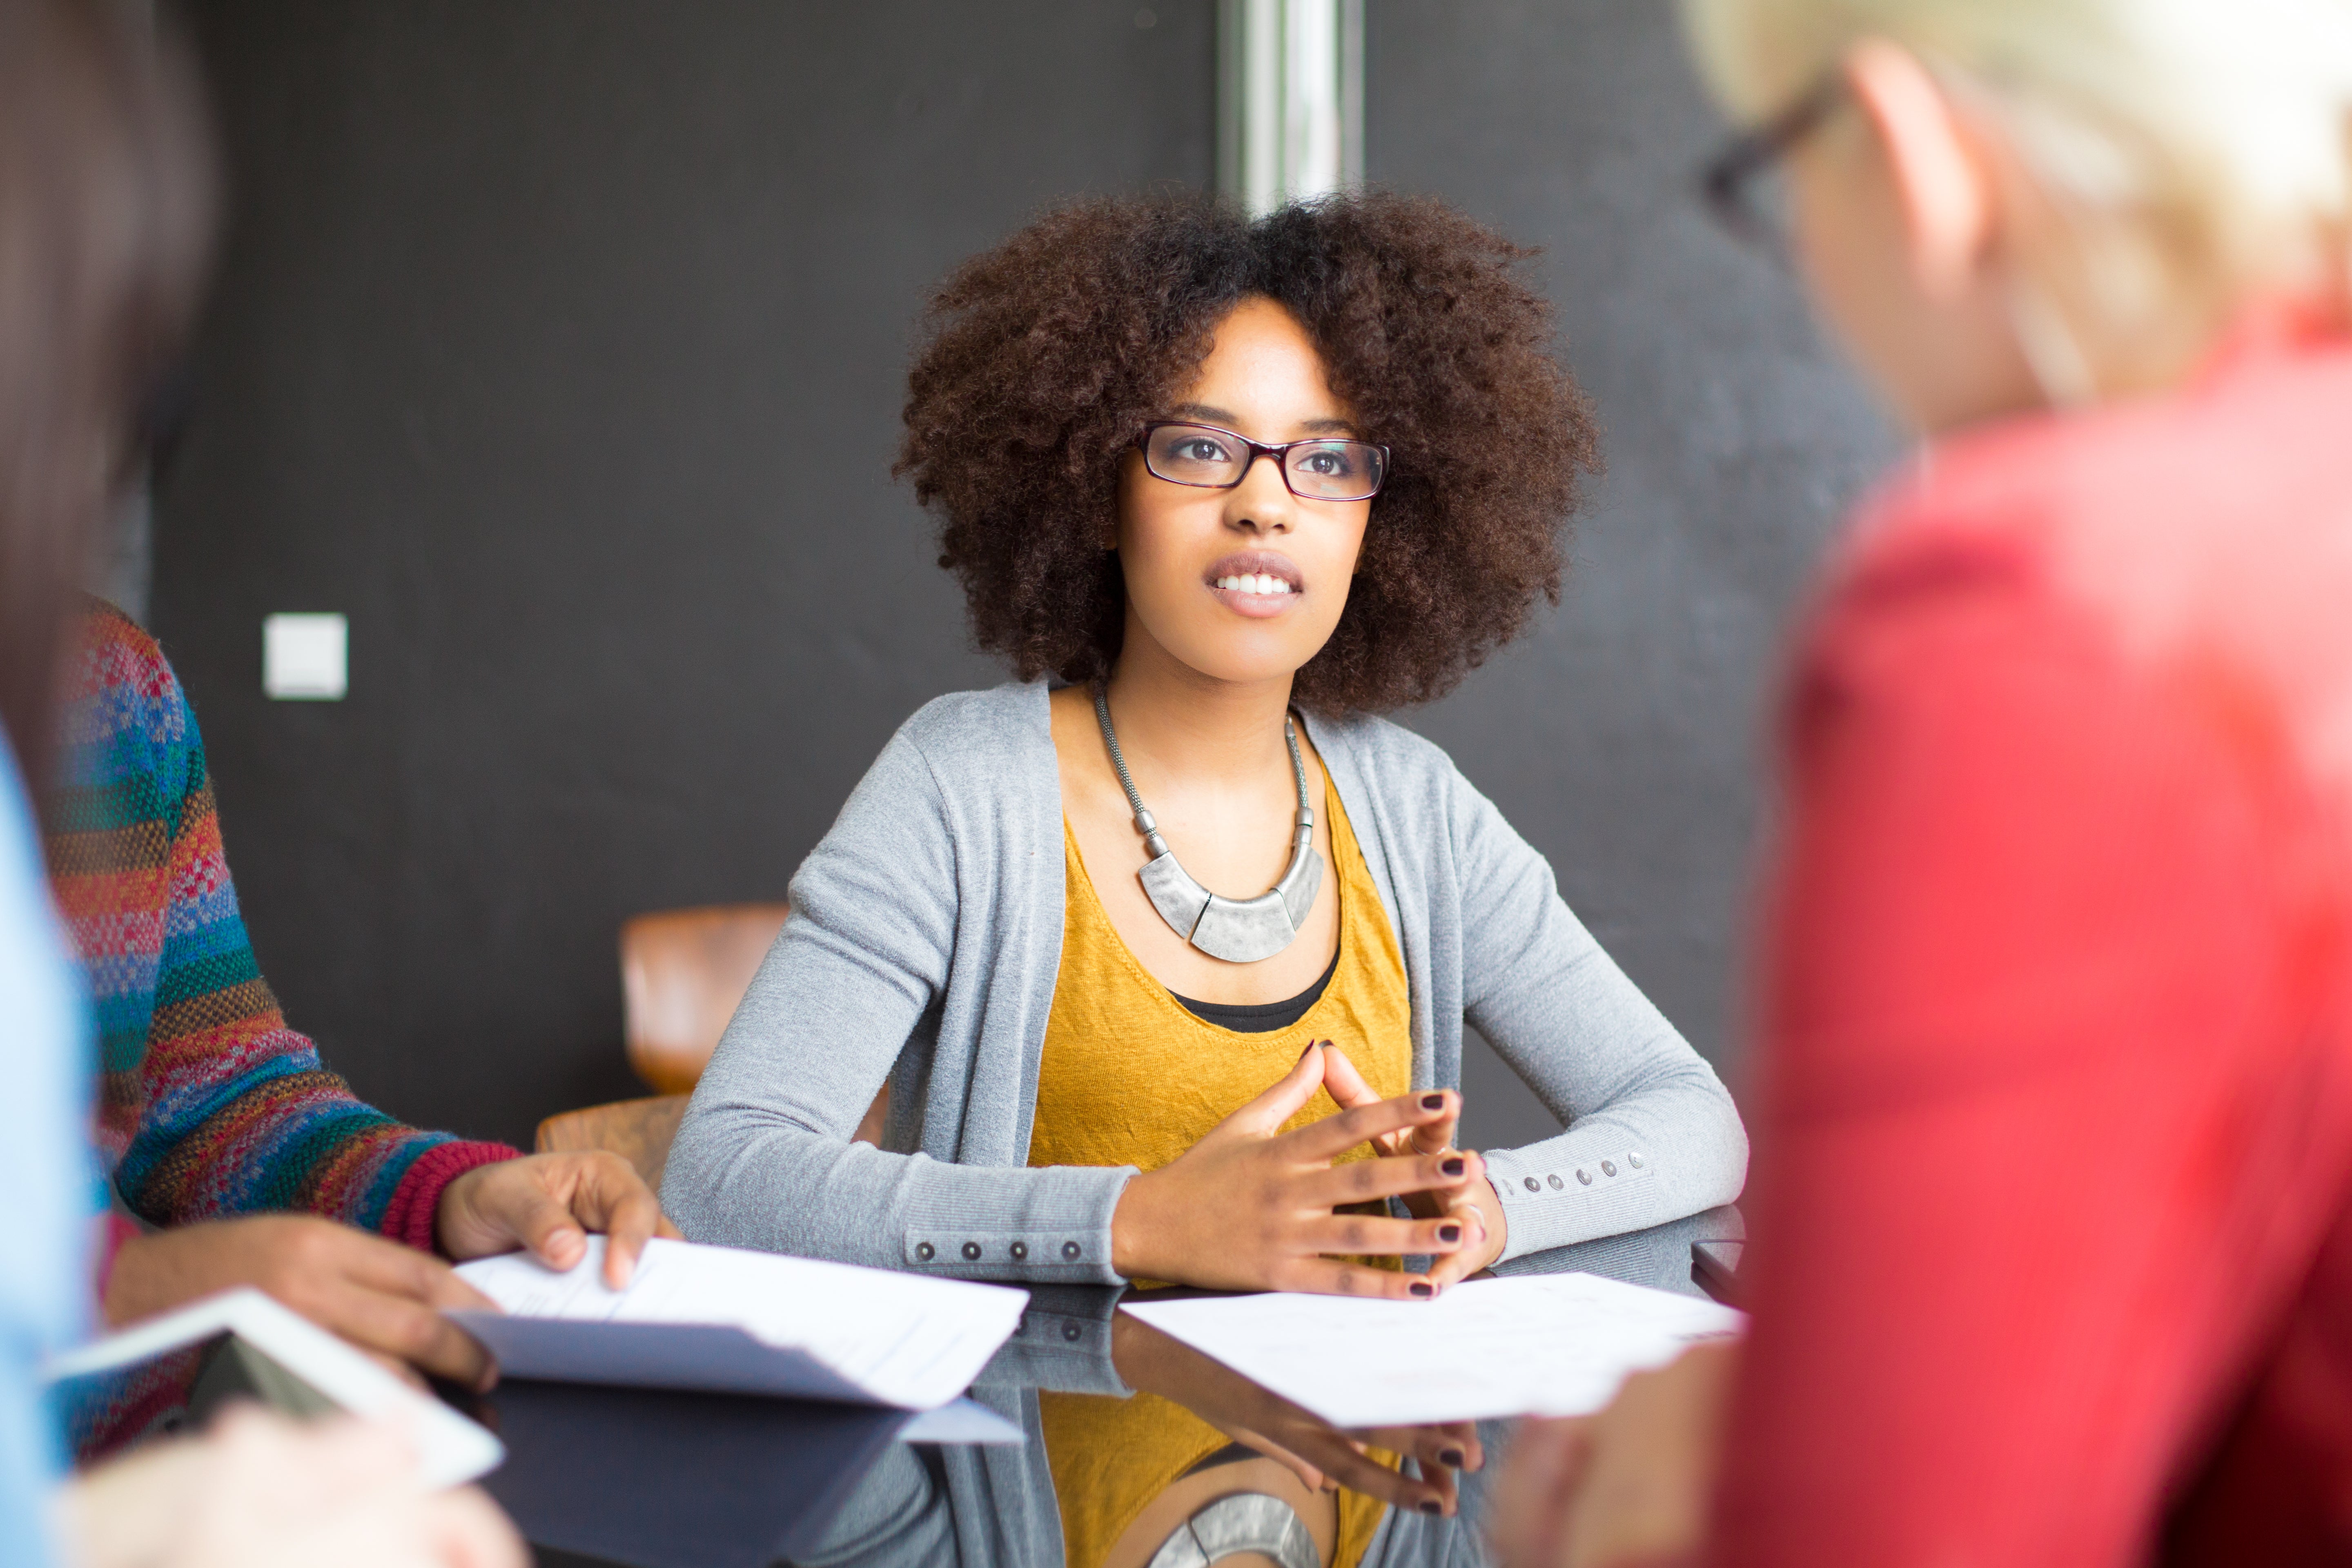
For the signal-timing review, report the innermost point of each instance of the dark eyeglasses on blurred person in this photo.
(1742, 185)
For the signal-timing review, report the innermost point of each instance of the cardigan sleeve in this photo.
(210, 1105)
(764, 1157)
(1652, 1136)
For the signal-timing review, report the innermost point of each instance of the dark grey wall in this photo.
(1621, 739)
(559, 344)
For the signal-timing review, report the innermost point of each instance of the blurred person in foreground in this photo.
(104, 210)
(2051, 1256)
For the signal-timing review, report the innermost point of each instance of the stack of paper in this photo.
(1554, 1344)
(719, 1319)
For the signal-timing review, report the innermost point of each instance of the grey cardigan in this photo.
(925, 936)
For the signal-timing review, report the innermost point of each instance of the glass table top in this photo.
(1141, 1453)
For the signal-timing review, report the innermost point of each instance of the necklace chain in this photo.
(1144, 822)
(1241, 931)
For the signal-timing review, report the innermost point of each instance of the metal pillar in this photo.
(1290, 99)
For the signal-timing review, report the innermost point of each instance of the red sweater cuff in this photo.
(416, 1202)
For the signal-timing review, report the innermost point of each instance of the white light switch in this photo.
(305, 658)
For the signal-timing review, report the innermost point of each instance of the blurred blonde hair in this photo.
(2197, 151)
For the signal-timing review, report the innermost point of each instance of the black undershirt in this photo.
(1261, 1017)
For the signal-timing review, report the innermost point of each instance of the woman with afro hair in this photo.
(1161, 954)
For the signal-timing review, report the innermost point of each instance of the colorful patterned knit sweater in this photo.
(210, 1106)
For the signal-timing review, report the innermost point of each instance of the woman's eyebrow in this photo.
(1227, 418)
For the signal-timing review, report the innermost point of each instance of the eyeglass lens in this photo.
(1315, 470)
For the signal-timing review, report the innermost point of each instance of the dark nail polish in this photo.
(1326, 1045)
(1451, 1458)
(1449, 1234)
(1433, 1102)
(1430, 1505)
(1424, 1290)
(1453, 1167)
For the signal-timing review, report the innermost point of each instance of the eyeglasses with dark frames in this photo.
(1322, 468)
(1733, 181)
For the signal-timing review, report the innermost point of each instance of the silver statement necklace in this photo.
(1236, 931)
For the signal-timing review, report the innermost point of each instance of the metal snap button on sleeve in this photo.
(1070, 1250)
(1534, 1185)
(971, 1252)
(923, 1252)
(1071, 1332)
(1584, 1175)
(1020, 1252)
(1555, 1181)
(1608, 1168)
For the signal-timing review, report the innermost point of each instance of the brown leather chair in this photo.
(639, 1130)
(682, 973)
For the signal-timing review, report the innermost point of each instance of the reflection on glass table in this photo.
(1141, 1453)
(1145, 1454)
(1140, 1448)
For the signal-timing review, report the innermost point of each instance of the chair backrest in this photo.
(642, 1131)
(639, 1130)
(682, 973)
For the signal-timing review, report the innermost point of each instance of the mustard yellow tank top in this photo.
(1113, 1028)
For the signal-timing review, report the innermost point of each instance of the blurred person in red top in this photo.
(2051, 1212)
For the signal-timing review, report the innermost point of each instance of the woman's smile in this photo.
(1255, 583)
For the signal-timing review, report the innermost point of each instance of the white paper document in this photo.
(450, 1449)
(1550, 1344)
(723, 1320)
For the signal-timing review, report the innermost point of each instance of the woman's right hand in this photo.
(1251, 1207)
(385, 1298)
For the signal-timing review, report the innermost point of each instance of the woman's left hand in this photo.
(1320, 1454)
(1476, 1203)
(551, 1204)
